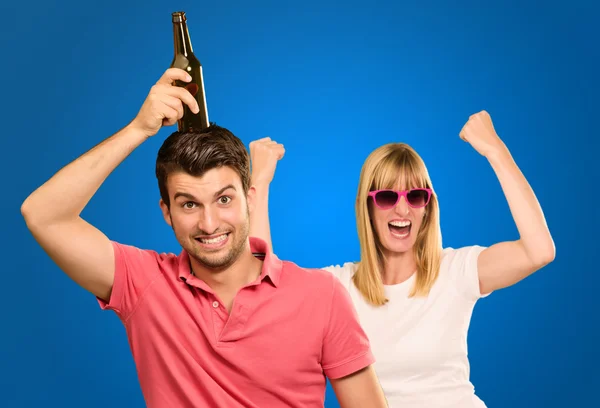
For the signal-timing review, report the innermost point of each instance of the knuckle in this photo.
(157, 89)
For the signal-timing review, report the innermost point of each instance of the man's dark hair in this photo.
(196, 152)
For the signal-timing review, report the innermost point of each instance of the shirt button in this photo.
(215, 304)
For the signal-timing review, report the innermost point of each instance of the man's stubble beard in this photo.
(220, 262)
(212, 261)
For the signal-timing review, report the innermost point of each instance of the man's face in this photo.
(210, 215)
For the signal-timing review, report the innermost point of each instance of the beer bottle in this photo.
(185, 59)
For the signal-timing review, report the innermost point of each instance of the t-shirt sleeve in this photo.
(461, 264)
(135, 270)
(346, 348)
(343, 272)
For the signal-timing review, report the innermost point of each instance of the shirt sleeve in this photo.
(346, 348)
(462, 266)
(343, 272)
(135, 270)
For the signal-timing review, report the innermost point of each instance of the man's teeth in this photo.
(400, 223)
(215, 240)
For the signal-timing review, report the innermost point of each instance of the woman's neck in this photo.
(398, 267)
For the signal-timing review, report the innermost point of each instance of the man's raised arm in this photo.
(52, 212)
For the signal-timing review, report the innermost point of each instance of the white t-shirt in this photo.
(420, 344)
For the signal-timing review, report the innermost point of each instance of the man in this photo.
(214, 326)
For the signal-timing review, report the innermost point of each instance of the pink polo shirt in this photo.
(286, 332)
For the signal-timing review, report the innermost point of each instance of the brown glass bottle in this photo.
(185, 59)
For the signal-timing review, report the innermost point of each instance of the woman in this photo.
(415, 298)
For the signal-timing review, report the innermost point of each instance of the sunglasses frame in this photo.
(401, 193)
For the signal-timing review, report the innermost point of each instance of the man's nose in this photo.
(208, 221)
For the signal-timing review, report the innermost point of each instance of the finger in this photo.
(271, 144)
(173, 74)
(280, 152)
(461, 134)
(174, 103)
(486, 116)
(264, 139)
(170, 115)
(184, 95)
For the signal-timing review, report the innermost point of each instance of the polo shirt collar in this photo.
(271, 267)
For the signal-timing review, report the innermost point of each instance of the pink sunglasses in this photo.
(416, 198)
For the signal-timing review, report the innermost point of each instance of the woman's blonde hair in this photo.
(390, 166)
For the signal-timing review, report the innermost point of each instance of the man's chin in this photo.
(216, 260)
(215, 257)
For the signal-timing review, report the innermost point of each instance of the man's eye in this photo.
(188, 204)
(225, 199)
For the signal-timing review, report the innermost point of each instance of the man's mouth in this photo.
(400, 228)
(213, 241)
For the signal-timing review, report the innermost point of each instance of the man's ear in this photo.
(166, 212)
(251, 199)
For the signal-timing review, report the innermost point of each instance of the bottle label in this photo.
(192, 88)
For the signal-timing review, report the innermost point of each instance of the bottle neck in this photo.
(183, 44)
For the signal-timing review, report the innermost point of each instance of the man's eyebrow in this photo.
(227, 187)
(193, 198)
(186, 195)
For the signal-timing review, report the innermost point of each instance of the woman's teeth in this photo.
(400, 223)
(400, 229)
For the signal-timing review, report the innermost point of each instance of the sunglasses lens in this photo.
(386, 199)
(418, 198)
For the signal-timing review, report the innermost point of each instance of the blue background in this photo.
(332, 81)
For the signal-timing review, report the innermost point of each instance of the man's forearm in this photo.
(66, 194)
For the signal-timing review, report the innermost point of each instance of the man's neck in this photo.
(228, 281)
(398, 267)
